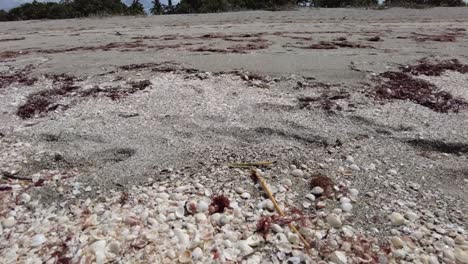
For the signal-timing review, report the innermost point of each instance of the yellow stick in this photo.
(275, 204)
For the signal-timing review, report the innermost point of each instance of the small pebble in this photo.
(397, 219)
(294, 260)
(334, 221)
(317, 190)
(277, 228)
(345, 200)
(25, 198)
(412, 216)
(310, 197)
(197, 254)
(321, 204)
(349, 159)
(461, 256)
(399, 254)
(9, 222)
(245, 195)
(353, 192)
(38, 240)
(346, 207)
(397, 242)
(297, 173)
(286, 182)
(339, 257)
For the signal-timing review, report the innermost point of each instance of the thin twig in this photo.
(275, 204)
(13, 177)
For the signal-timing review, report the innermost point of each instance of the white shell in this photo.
(310, 197)
(180, 212)
(254, 240)
(280, 197)
(182, 237)
(268, 205)
(197, 254)
(297, 173)
(334, 220)
(231, 253)
(202, 206)
(317, 190)
(244, 248)
(245, 195)
(237, 212)
(346, 207)
(280, 255)
(294, 260)
(339, 257)
(397, 219)
(345, 199)
(185, 257)
(284, 247)
(38, 240)
(9, 222)
(191, 207)
(99, 250)
(200, 218)
(277, 228)
(293, 238)
(25, 198)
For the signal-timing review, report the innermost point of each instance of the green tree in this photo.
(157, 8)
(136, 8)
(104, 7)
(4, 15)
(214, 6)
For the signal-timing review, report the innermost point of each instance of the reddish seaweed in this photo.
(402, 86)
(326, 100)
(374, 39)
(43, 101)
(324, 182)
(450, 36)
(218, 204)
(18, 76)
(436, 68)
(338, 43)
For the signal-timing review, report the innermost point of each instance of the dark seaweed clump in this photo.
(18, 76)
(218, 204)
(402, 86)
(326, 100)
(43, 101)
(437, 68)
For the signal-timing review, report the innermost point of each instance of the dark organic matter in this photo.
(218, 204)
(322, 181)
(435, 68)
(43, 101)
(402, 86)
(18, 76)
(439, 146)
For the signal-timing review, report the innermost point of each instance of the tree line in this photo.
(84, 8)
(71, 9)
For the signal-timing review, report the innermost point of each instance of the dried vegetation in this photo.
(403, 86)
(17, 76)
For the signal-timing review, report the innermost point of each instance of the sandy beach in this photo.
(142, 116)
